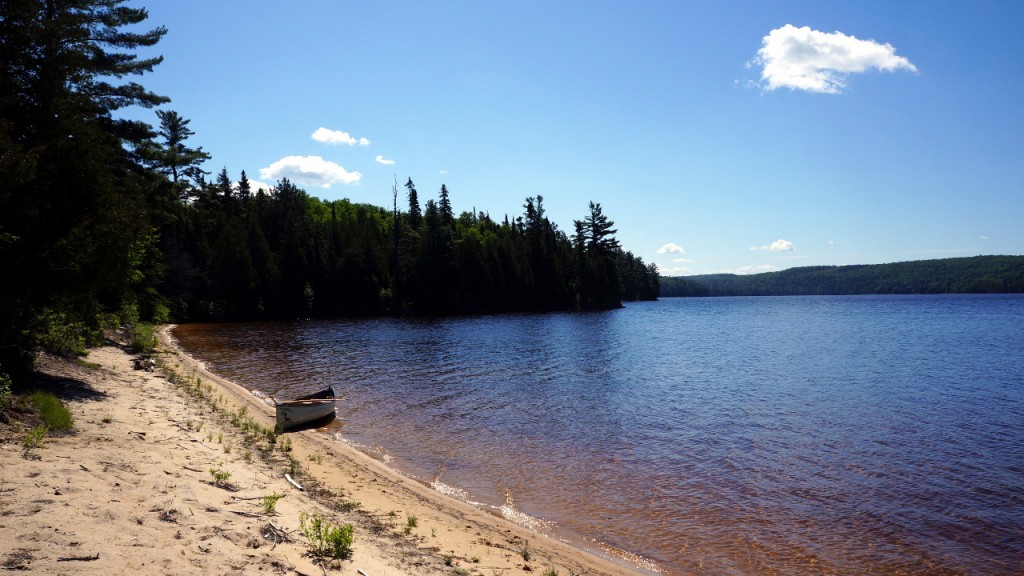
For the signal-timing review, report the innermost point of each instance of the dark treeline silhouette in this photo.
(105, 220)
(977, 275)
(232, 254)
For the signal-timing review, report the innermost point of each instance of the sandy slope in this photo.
(130, 491)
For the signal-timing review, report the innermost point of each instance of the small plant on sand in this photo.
(315, 458)
(551, 572)
(326, 539)
(286, 445)
(227, 448)
(270, 502)
(525, 553)
(220, 476)
(247, 456)
(108, 419)
(220, 437)
(410, 522)
(35, 438)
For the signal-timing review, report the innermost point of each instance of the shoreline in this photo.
(130, 489)
(421, 496)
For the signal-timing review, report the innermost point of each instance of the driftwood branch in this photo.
(254, 498)
(293, 482)
(95, 556)
(246, 514)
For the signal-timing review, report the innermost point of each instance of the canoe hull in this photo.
(312, 408)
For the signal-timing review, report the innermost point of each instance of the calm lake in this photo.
(789, 435)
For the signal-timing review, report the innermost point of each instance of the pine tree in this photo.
(74, 204)
(415, 214)
(173, 157)
(444, 206)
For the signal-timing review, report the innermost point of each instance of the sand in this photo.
(130, 490)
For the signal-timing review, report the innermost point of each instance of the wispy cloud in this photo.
(779, 245)
(744, 270)
(335, 137)
(806, 59)
(671, 248)
(675, 271)
(682, 260)
(442, 172)
(380, 160)
(983, 237)
(310, 170)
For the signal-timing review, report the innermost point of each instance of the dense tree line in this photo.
(232, 254)
(977, 275)
(106, 220)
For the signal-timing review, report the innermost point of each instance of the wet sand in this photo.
(130, 489)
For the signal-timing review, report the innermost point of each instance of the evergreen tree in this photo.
(415, 215)
(444, 207)
(173, 158)
(74, 203)
(244, 189)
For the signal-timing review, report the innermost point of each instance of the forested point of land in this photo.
(106, 220)
(973, 275)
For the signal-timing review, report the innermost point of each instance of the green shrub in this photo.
(161, 313)
(59, 335)
(5, 391)
(327, 539)
(143, 338)
(54, 414)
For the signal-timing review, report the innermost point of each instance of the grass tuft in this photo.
(54, 414)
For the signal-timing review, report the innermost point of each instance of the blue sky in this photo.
(719, 137)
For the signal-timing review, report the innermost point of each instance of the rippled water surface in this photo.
(851, 435)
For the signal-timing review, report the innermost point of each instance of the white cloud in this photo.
(310, 170)
(982, 237)
(380, 160)
(805, 59)
(442, 172)
(779, 245)
(682, 260)
(255, 185)
(334, 137)
(671, 248)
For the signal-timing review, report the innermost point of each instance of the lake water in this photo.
(793, 435)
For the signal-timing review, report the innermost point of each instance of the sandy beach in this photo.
(132, 490)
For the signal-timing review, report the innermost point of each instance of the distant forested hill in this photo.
(977, 275)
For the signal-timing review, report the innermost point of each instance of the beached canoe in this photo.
(316, 406)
